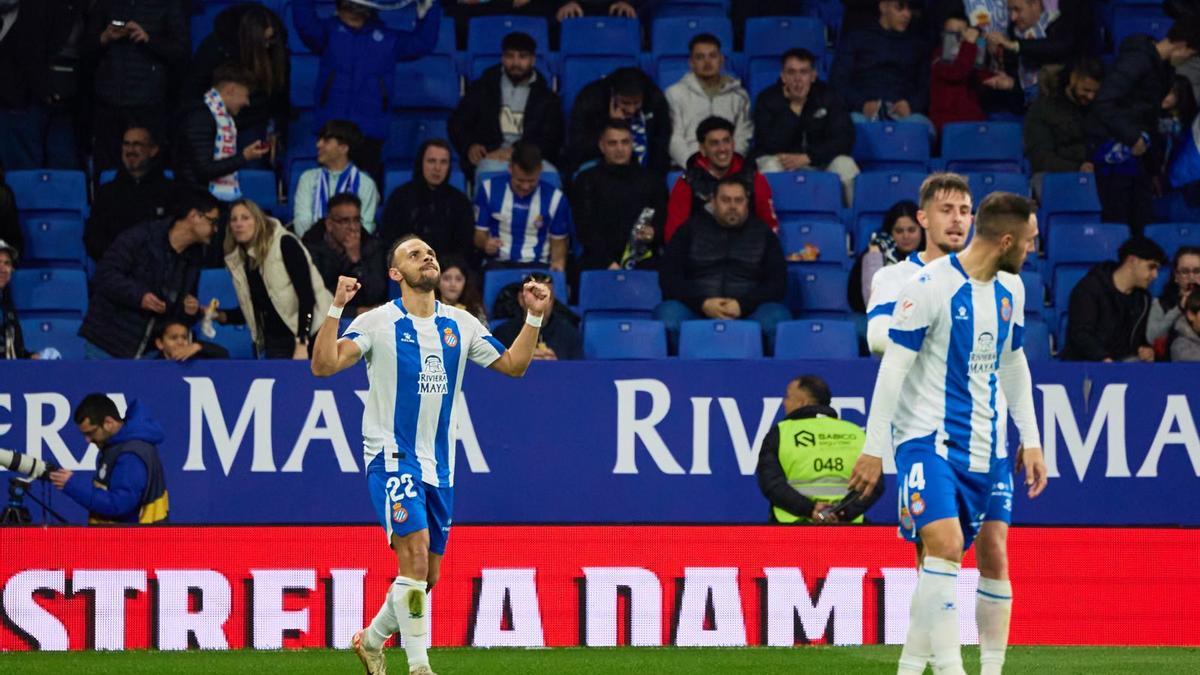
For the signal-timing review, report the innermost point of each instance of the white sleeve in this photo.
(880, 304)
(483, 348)
(370, 203)
(897, 361)
(359, 332)
(302, 203)
(679, 149)
(1017, 384)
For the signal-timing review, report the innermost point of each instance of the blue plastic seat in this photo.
(816, 339)
(258, 185)
(50, 289)
(983, 146)
(1171, 236)
(1066, 277)
(600, 35)
(716, 339)
(760, 74)
(984, 184)
(494, 280)
(429, 83)
(1068, 198)
(1035, 292)
(891, 146)
(1091, 243)
(303, 86)
(406, 135)
(817, 289)
(485, 33)
(53, 238)
(874, 195)
(49, 191)
(806, 194)
(61, 333)
(625, 291)
(235, 339)
(624, 339)
(692, 8)
(1139, 19)
(217, 283)
(828, 236)
(770, 36)
(1037, 341)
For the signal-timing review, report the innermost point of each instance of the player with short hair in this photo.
(956, 342)
(416, 350)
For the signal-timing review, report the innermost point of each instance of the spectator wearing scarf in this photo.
(1040, 33)
(337, 174)
(206, 152)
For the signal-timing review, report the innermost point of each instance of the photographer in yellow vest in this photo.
(805, 461)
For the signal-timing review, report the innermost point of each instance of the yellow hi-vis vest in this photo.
(817, 455)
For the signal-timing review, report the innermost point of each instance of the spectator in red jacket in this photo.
(954, 83)
(715, 162)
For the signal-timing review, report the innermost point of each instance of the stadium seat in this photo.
(407, 134)
(1065, 279)
(485, 33)
(600, 35)
(1171, 236)
(429, 83)
(496, 279)
(692, 8)
(258, 185)
(49, 191)
(760, 74)
(816, 339)
(629, 292)
(767, 37)
(715, 339)
(1037, 341)
(1139, 19)
(806, 194)
(828, 236)
(624, 339)
(891, 146)
(50, 289)
(1068, 198)
(984, 184)
(672, 178)
(235, 339)
(61, 333)
(1035, 292)
(983, 146)
(1092, 243)
(874, 195)
(578, 72)
(303, 86)
(669, 37)
(817, 289)
(53, 238)
(217, 283)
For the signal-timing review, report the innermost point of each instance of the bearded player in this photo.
(416, 350)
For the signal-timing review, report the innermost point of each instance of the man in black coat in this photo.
(510, 102)
(1054, 134)
(149, 274)
(801, 123)
(1109, 307)
(627, 94)
(139, 193)
(340, 246)
(197, 132)
(431, 208)
(1036, 37)
(1124, 117)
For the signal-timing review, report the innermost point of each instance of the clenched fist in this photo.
(344, 293)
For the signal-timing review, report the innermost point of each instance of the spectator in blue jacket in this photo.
(358, 57)
(128, 486)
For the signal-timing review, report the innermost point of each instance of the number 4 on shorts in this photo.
(916, 477)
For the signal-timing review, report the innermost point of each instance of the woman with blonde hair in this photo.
(279, 290)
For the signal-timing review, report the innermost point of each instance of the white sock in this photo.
(408, 601)
(917, 651)
(381, 627)
(993, 609)
(936, 607)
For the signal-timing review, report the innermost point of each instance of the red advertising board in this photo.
(267, 587)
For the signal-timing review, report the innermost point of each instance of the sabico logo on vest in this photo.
(807, 439)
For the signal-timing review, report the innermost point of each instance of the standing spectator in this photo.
(140, 192)
(510, 102)
(458, 289)
(899, 237)
(570, 9)
(716, 161)
(10, 224)
(1186, 344)
(136, 47)
(1054, 126)
(253, 37)
(279, 291)
(630, 95)
(723, 264)
(559, 339)
(358, 63)
(880, 70)
(803, 125)
(1040, 33)
(1167, 308)
(147, 276)
(706, 92)
(206, 146)
(521, 219)
(1124, 118)
(12, 342)
(956, 76)
(335, 175)
(175, 343)
(1110, 306)
(340, 245)
(430, 207)
(608, 201)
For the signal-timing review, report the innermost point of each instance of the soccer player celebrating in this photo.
(956, 336)
(416, 351)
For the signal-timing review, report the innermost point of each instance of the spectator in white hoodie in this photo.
(706, 92)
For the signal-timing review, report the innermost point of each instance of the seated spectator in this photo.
(206, 150)
(174, 342)
(619, 207)
(12, 342)
(336, 174)
(1124, 118)
(559, 339)
(716, 161)
(340, 245)
(1054, 126)
(706, 92)
(358, 63)
(522, 220)
(1109, 306)
(458, 289)
(898, 237)
(957, 75)
(253, 37)
(140, 192)
(149, 275)
(880, 70)
(723, 264)
(630, 95)
(1040, 33)
(510, 102)
(802, 124)
(134, 48)
(279, 291)
(1186, 344)
(10, 224)
(430, 207)
(570, 9)
(1168, 307)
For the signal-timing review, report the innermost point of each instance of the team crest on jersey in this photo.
(906, 520)
(916, 504)
(449, 338)
(1005, 309)
(399, 514)
(538, 222)
(904, 310)
(432, 379)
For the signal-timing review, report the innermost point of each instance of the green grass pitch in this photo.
(831, 660)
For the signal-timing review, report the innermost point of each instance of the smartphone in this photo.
(118, 24)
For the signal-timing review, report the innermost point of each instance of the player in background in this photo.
(416, 351)
(956, 338)
(945, 215)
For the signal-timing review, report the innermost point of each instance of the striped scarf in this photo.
(225, 187)
(326, 187)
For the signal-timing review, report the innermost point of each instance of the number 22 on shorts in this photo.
(394, 487)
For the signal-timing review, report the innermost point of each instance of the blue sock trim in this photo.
(940, 574)
(991, 595)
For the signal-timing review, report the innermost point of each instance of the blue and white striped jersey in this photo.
(959, 328)
(522, 224)
(415, 368)
(886, 285)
